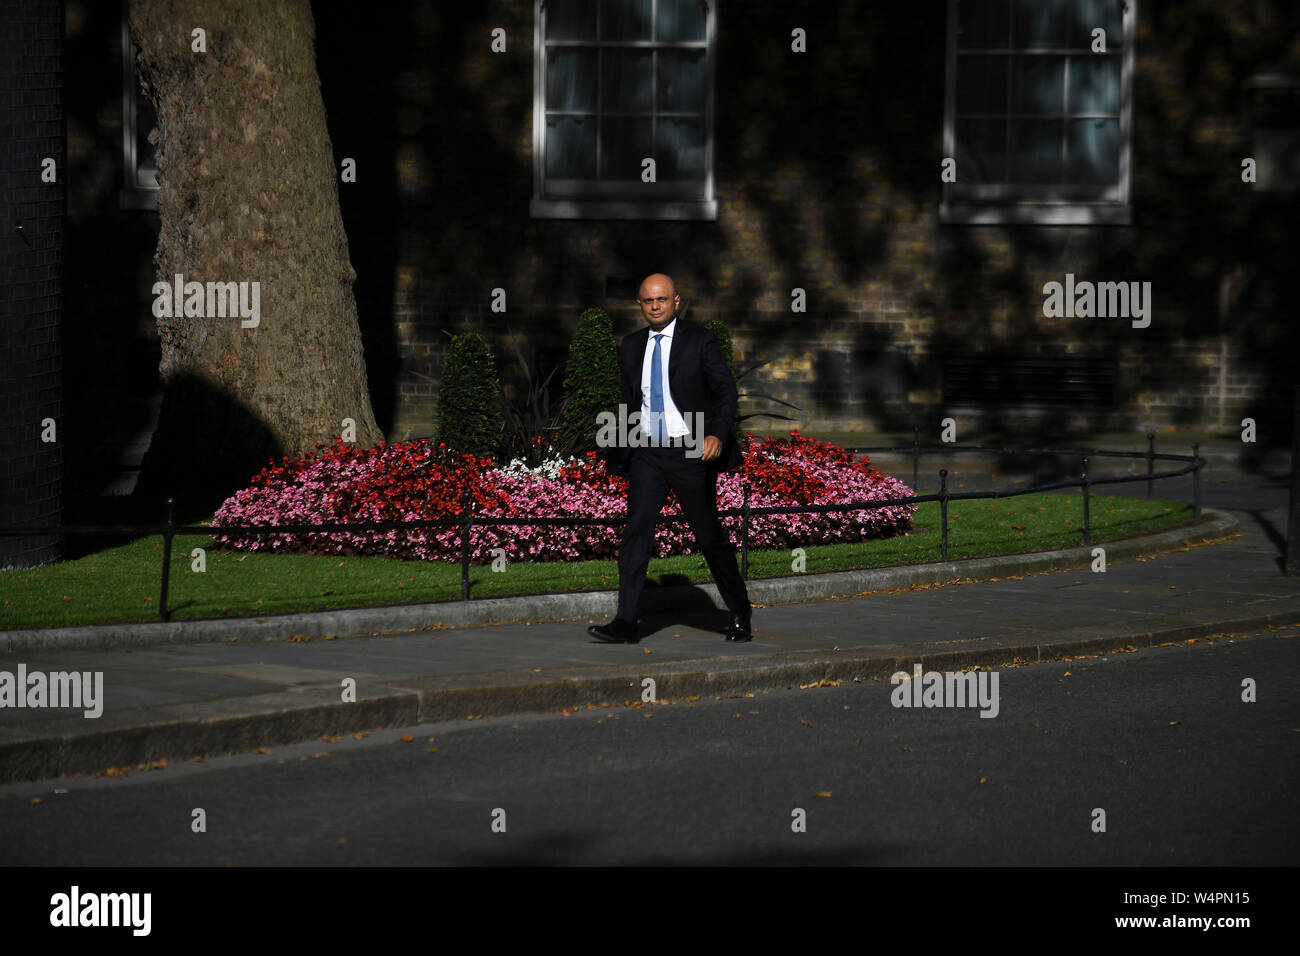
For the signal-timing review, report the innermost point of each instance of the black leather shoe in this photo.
(617, 631)
(739, 630)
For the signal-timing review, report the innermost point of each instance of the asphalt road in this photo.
(1186, 772)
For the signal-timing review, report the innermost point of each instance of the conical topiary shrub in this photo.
(469, 417)
(591, 378)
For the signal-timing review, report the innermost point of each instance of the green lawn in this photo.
(121, 584)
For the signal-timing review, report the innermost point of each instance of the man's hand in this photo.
(712, 448)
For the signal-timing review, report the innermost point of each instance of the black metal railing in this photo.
(917, 449)
(467, 520)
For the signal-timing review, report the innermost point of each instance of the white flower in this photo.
(550, 468)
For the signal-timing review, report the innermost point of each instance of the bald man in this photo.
(674, 373)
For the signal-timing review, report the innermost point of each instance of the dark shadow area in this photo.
(1276, 536)
(110, 363)
(687, 607)
(359, 56)
(109, 509)
(207, 447)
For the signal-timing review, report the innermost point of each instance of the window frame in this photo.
(1046, 204)
(1271, 143)
(593, 199)
(135, 192)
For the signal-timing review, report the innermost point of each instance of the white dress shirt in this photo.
(674, 424)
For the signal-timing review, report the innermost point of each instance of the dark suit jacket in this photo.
(699, 380)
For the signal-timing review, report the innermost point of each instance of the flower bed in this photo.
(418, 480)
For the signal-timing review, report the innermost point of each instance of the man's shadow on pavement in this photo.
(675, 602)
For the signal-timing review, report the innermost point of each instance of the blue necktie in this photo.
(657, 388)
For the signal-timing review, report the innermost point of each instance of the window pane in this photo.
(625, 80)
(1093, 156)
(570, 19)
(1091, 14)
(571, 147)
(570, 79)
(679, 152)
(146, 161)
(981, 150)
(983, 24)
(1039, 23)
(680, 20)
(624, 142)
(1038, 84)
(681, 81)
(1094, 84)
(625, 19)
(981, 84)
(1035, 151)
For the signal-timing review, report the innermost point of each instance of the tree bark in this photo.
(248, 193)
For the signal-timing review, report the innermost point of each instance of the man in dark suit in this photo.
(675, 374)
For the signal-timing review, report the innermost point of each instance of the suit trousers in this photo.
(652, 471)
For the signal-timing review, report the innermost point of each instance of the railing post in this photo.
(167, 558)
(1151, 459)
(943, 512)
(1291, 562)
(916, 455)
(744, 535)
(466, 522)
(1087, 514)
(1196, 480)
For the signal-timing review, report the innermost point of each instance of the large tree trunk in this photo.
(248, 193)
